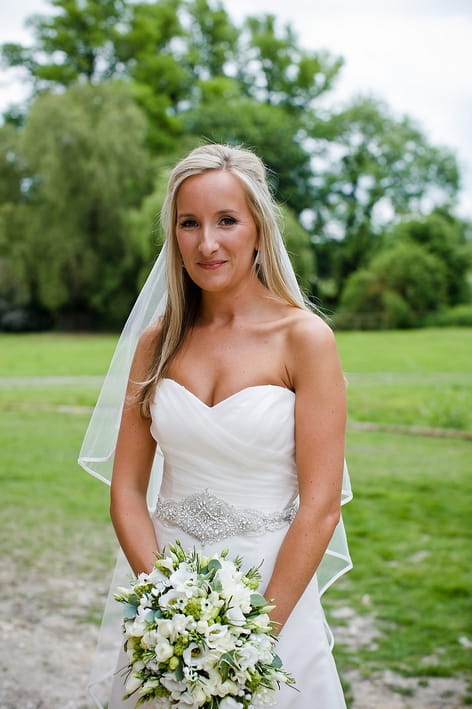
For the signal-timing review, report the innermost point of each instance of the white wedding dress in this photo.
(234, 464)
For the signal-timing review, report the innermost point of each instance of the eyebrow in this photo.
(220, 211)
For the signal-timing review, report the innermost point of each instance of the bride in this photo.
(237, 384)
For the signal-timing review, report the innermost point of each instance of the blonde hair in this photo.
(273, 269)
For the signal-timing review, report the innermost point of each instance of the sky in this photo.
(416, 55)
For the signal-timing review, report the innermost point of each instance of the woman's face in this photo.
(215, 231)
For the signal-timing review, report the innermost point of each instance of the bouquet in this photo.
(197, 634)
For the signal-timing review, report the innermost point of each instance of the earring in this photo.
(257, 260)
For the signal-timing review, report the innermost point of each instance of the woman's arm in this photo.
(320, 418)
(131, 471)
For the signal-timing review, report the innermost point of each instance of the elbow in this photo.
(332, 519)
(324, 521)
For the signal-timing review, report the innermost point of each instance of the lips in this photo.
(210, 265)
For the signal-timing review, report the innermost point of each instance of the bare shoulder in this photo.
(309, 333)
(152, 335)
(148, 344)
(311, 348)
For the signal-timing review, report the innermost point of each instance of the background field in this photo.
(406, 606)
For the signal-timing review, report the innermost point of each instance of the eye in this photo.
(188, 223)
(227, 221)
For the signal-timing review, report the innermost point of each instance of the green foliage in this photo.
(457, 316)
(266, 129)
(367, 304)
(445, 237)
(76, 42)
(85, 165)
(372, 167)
(402, 285)
(274, 69)
(196, 75)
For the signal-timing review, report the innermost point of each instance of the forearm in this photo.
(299, 556)
(134, 529)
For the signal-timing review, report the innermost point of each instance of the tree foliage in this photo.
(84, 166)
(106, 75)
(372, 167)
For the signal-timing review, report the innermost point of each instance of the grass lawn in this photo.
(409, 524)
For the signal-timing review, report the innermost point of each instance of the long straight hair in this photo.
(273, 269)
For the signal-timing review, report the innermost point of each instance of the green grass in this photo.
(411, 542)
(42, 355)
(419, 377)
(409, 524)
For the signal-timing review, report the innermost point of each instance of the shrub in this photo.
(457, 316)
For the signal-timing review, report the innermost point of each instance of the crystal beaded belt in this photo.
(209, 518)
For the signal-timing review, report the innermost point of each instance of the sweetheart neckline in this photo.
(231, 396)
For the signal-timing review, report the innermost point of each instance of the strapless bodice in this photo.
(242, 449)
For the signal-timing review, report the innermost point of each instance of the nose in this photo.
(208, 242)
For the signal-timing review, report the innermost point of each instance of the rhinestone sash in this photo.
(210, 519)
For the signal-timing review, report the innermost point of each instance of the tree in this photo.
(77, 42)
(399, 287)
(443, 236)
(274, 69)
(86, 166)
(266, 129)
(370, 168)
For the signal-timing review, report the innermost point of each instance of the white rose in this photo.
(165, 627)
(163, 650)
(149, 639)
(135, 628)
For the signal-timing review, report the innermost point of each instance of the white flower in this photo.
(229, 703)
(202, 627)
(199, 695)
(235, 615)
(233, 587)
(165, 627)
(179, 624)
(157, 578)
(176, 687)
(135, 628)
(132, 684)
(184, 580)
(149, 639)
(264, 644)
(173, 599)
(196, 656)
(211, 605)
(219, 638)
(261, 623)
(163, 650)
(248, 655)
(263, 697)
(186, 701)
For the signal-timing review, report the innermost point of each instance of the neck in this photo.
(225, 307)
